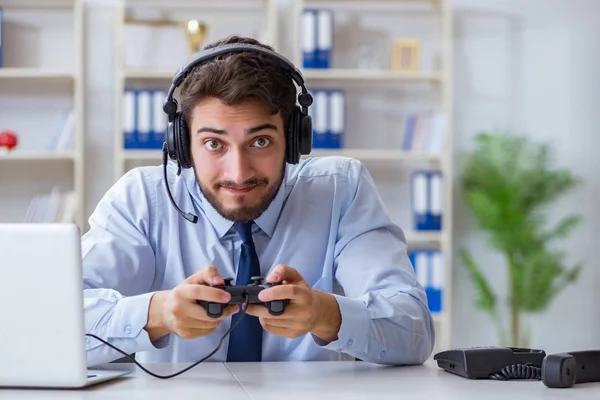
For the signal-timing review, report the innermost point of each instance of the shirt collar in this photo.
(266, 222)
(268, 219)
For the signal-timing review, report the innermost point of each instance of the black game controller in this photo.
(238, 296)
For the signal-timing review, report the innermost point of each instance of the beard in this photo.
(242, 214)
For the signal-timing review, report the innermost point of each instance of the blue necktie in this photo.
(245, 340)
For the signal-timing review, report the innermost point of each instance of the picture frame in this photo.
(406, 54)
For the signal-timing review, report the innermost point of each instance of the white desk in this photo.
(359, 380)
(307, 380)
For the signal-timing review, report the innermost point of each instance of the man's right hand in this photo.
(176, 310)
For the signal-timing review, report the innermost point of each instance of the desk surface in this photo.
(302, 380)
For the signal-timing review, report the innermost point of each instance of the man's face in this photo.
(238, 154)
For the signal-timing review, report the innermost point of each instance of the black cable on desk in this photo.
(187, 368)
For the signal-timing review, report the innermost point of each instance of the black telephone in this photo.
(559, 370)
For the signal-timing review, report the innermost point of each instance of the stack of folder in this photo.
(317, 38)
(429, 270)
(329, 118)
(144, 121)
(427, 200)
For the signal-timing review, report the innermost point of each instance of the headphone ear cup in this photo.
(306, 134)
(182, 139)
(170, 140)
(292, 145)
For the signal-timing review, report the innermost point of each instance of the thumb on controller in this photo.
(209, 275)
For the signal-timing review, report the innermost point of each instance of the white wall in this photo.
(531, 65)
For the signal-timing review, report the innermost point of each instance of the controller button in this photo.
(257, 280)
(214, 309)
(277, 306)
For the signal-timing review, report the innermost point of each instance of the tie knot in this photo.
(244, 229)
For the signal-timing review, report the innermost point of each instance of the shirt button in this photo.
(350, 342)
(128, 329)
(382, 353)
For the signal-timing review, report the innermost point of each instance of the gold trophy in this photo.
(196, 34)
(195, 31)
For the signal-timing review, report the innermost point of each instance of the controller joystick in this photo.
(227, 281)
(239, 294)
(257, 280)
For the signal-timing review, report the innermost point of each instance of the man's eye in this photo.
(212, 145)
(262, 142)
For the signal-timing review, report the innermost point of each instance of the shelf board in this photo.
(149, 74)
(315, 74)
(35, 73)
(423, 237)
(370, 75)
(142, 155)
(38, 155)
(194, 3)
(34, 4)
(372, 1)
(361, 154)
(375, 154)
(438, 318)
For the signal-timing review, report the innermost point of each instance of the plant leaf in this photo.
(562, 229)
(568, 277)
(486, 299)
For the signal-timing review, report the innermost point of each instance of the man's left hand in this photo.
(308, 310)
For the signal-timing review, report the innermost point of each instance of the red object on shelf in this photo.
(8, 139)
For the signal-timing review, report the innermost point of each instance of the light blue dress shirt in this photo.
(327, 221)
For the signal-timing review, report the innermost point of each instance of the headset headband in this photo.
(170, 105)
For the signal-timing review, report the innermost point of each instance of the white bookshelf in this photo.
(387, 159)
(435, 76)
(42, 74)
(34, 156)
(257, 18)
(334, 74)
(37, 73)
(360, 154)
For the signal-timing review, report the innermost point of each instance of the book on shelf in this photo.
(317, 38)
(424, 132)
(144, 121)
(427, 200)
(328, 113)
(55, 206)
(63, 135)
(429, 271)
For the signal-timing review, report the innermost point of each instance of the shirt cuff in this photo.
(129, 319)
(354, 330)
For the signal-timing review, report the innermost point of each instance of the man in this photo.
(318, 227)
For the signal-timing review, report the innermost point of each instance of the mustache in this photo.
(244, 185)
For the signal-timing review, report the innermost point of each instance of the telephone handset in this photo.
(559, 370)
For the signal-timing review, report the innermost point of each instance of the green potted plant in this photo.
(508, 183)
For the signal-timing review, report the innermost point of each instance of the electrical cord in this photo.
(243, 313)
(518, 371)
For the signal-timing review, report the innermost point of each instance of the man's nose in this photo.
(238, 168)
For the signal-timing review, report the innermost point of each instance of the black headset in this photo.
(299, 124)
(177, 141)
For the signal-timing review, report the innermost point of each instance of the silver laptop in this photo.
(42, 334)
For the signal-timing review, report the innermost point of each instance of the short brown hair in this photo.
(236, 77)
